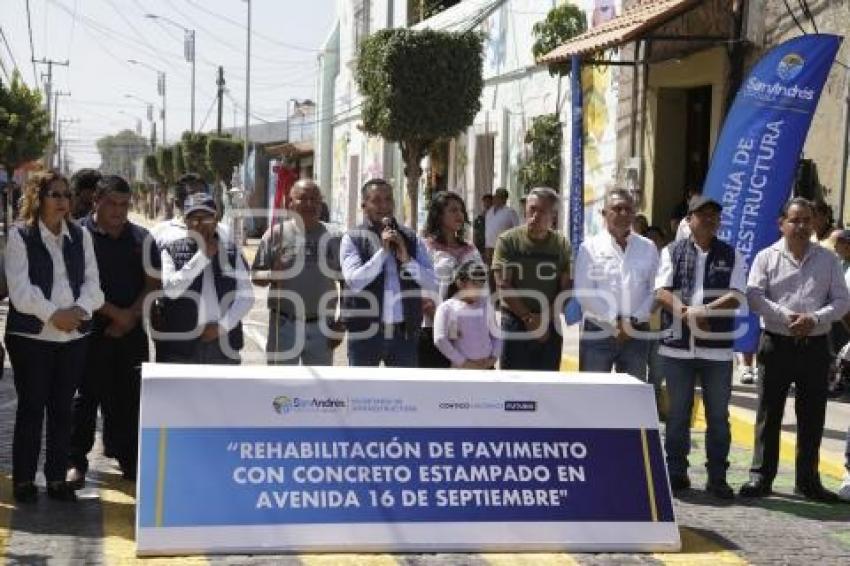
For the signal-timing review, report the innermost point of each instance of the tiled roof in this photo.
(629, 25)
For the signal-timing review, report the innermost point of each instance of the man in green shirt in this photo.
(531, 266)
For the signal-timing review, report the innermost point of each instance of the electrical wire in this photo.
(209, 111)
(8, 48)
(255, 33)
(805, 6)
(32, 49)
(793, 17)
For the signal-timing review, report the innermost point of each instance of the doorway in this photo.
(682, 144)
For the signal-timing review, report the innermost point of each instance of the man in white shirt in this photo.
(614, 277)
(499, 218)
(387, 272)
(701, 280)
(208, 291)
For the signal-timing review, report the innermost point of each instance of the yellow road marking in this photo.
(119, 534)
(529, 559)
(347, 560)
(7, 505)
(160, 476)
(698, 549)
(650, 485)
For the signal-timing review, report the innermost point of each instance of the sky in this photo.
(97, 37)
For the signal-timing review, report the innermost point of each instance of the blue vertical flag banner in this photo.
(576, 224)
(754, 162)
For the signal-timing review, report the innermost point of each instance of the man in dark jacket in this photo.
(701, 280)
(118, 342)
(387, 271)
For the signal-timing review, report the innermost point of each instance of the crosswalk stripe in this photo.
(697, 550)
(529, 559)
(6, 507)
(119, 519)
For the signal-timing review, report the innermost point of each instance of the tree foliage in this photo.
(179, 162)
(223, 154)
(195, 154)
(544, 166)
(165, 164)
(563, 23)
(24, 124)
(419, 86)
(152, 168)
(119, 152)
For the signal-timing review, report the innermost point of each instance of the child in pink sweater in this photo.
(464, 324)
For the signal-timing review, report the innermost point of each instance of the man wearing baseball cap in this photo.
(207, 291)
(701, 280)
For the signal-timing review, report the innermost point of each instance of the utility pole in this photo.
(247, 99)
(59, 148)
(56, 120)
(220, 95)
(48, 91)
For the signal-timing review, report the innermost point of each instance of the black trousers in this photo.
(428, 355)
(46, 376)
(805, 363)
(112, 381)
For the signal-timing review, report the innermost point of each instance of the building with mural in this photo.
(491, 151)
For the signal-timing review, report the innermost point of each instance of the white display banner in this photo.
(309, 459)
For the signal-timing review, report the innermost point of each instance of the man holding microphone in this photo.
(387, 272)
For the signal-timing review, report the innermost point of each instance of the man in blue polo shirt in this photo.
(119, 343)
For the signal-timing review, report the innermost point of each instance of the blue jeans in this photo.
(716, 381)
(291, 342)
(605, 354)
(399, 350)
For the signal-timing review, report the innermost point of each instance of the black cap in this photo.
(199, 202)
(699, 202)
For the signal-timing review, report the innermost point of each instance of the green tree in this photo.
(223, 154)
(179, 162)
(119, 152)
(24, 124)
(419, 87)
(165, 164)
(195, 154)
(562, 23)
(152, 168)
(544, 166)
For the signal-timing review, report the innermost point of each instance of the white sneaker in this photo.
(748, 376)
(844, 490)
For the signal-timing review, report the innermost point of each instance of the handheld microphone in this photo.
(390, 223)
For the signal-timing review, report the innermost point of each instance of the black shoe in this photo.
(815, 491)
(61, 491)
(76, 478)
(680, 483)
(756, 488)
(720, 489)
(25, 492)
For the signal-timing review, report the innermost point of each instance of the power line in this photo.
(214, 100)
(32, 49)
(8, 47)
(805, 6)
(257, 34)
(793, 17)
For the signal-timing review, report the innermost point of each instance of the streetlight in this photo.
(160, 88)
(149, 108)
(188, 53)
